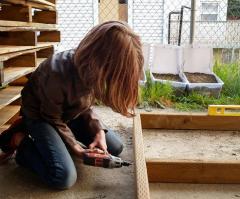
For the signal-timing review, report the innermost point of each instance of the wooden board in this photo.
(40, 4)
(27, 28)
(4, 49)
(9, 94)
(49, 36)
(7, 23)
(140, 165)
(42, 52)
(17, 67)
(13, 73)
(4, 127)
(172, 170)
(15, 13)
(7, 113)
(191, 121)
(46, 17)
(195, 171)
(45, 53)
(23, 38)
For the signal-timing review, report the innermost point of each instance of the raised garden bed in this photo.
(185, 148)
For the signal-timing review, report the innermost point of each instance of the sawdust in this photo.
(183, 144)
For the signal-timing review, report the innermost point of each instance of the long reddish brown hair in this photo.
(109, 61)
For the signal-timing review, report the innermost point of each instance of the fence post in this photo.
(192, 22)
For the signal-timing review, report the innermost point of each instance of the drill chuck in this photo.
(104, 160)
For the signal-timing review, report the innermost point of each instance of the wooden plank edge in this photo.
(142, 185)
(7, 113)
(40, 45)
(27, 24)
(26, 72)
(39, 4)
(26, 28)
(6, 56)
(19, 75)
(189, 121)
(44, 2)
(13, 98)
(193, 171)
(4, 127)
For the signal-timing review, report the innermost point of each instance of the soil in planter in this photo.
(200, 78)
(168, 77)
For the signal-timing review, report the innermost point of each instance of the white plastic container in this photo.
(167, 59)
(199, 59)
(146, 55)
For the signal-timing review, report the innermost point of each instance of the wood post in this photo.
(21, 38)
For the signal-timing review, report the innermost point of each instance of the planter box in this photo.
(167, 60)
(200, 60)
(208, 89)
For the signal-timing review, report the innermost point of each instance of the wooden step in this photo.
(4, 49)
(7, 113)
(9, 94)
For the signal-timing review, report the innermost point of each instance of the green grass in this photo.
(156, 93)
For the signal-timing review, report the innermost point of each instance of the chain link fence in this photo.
(217, 22)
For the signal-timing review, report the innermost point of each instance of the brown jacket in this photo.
(54, 93)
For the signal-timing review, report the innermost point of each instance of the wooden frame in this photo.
(186, 171)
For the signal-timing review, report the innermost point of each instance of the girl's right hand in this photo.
(79, 151)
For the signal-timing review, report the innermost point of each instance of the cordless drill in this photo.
(103, 160)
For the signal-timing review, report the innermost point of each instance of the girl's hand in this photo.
(99, 141)
(79, 151)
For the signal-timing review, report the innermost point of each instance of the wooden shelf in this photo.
(4, 49)
(9, 94)
(7, 113)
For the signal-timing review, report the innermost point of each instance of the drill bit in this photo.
(125, 163)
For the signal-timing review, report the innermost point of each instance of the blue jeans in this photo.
(45, 153)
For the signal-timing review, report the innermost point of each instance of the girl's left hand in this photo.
(99, 141)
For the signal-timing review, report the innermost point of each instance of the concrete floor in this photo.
(97, 183)
(92, 183)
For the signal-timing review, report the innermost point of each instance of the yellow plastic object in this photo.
(224, 110)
